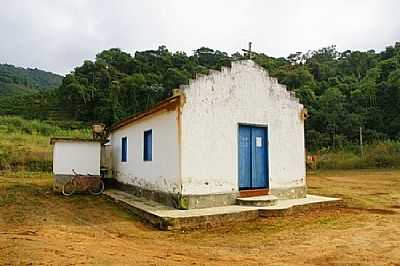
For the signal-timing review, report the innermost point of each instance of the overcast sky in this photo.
(57, 35)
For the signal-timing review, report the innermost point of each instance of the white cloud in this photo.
(59, 35)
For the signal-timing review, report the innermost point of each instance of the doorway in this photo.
(253, 158)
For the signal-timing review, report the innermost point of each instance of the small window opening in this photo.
(124, 149)
(148, 146)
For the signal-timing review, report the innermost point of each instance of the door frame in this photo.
(255, 191)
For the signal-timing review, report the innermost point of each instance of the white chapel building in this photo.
(233, 133)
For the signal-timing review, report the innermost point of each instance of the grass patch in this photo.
(21, 187)
(25, 145)
(378, 155)
(361, 189)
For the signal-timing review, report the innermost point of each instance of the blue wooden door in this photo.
(244, 157)
(259, 157)
(253, 157)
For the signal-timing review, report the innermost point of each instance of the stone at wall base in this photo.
(185, 202)
(289, 193)
(179, 201)
(209, 200)
(169, 199)
(59, 181)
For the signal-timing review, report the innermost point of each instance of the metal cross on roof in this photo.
(249, 53)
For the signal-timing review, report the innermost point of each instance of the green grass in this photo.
(378, 155)
(25, 144)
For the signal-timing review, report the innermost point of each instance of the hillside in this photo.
(343, 90)
(18, 81)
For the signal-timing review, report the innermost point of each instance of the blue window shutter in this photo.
(124, 149)
(148, 146)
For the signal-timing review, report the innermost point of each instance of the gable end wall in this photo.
(215, 105)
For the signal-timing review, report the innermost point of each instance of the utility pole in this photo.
(361, 143)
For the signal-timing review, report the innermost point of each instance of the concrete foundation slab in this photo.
(289, 206)
(168, 218)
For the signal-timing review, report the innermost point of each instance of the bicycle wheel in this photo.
(69, 188)
(97, 189)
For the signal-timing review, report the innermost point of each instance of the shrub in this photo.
(378, 155)
(385, 154)
(339, 160)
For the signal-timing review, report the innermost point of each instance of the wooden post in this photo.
(361, 143)
(334, 137)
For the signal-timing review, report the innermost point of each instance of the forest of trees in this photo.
(18, 81)
(343, 91)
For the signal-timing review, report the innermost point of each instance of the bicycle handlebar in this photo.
(75, 173)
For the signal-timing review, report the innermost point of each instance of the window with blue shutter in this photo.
(148, 146)
(124, 149)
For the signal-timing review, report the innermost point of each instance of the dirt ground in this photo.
(39, 227)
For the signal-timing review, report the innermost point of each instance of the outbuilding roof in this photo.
(54, 140)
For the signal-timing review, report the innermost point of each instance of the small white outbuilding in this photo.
(74, 154)
(234, 132)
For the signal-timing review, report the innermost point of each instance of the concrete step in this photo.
(259, 201)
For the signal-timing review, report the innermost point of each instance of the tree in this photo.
(342, 90)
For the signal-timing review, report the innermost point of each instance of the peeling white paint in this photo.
(206, 159)
(215, 105)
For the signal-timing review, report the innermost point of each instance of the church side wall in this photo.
(162, 173)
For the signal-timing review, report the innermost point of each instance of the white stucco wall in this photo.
(160, 174)
(215, 105)
(83, 157)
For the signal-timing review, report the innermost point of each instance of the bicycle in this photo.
(91, 183)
